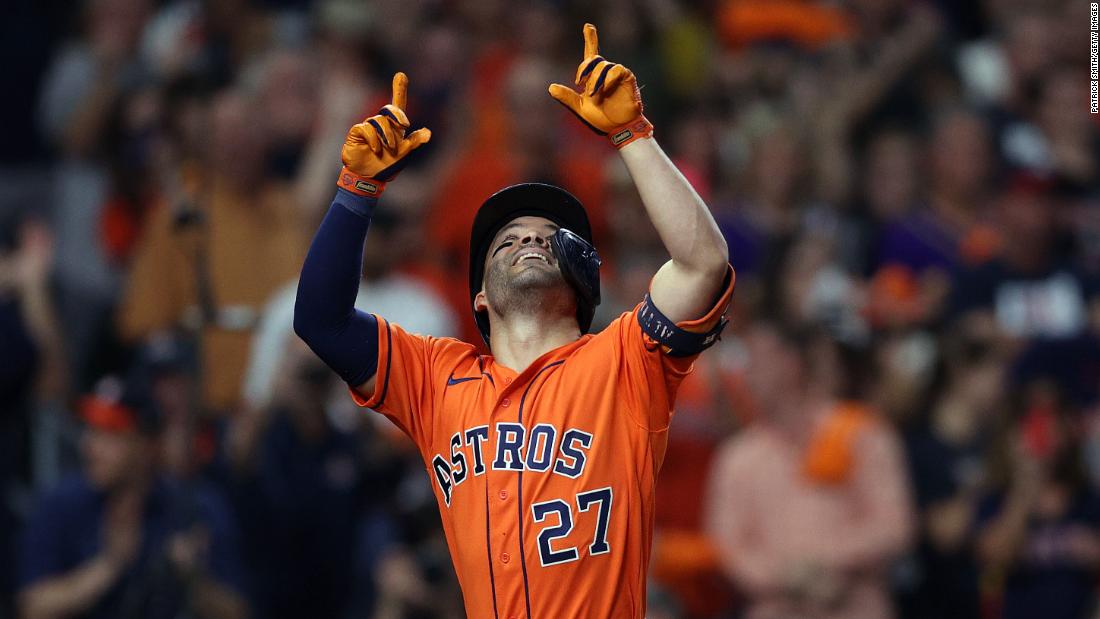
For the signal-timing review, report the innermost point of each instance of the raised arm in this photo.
(684, 287)
(611, 105)
(324, 312)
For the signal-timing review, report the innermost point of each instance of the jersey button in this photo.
(505, 402)
(503, 494)
(505, 557)
(507, 381)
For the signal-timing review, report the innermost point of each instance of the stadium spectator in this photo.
(83, 94)
(32, 369)
(808, 506)
(775, 197)
(918, 179)
(1031, 290)
(949, 461)
(318, 557)
(1039, 532)
(933, 238)
(302, 488)
(210, 257)
(119, 539)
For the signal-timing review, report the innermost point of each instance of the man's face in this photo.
(774, 370)
(520, 263)
(110, 457)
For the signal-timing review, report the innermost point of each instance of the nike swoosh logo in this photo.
(454, 381)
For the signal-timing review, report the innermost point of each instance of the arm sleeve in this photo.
(324, 310)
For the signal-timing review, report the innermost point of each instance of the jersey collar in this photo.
(555, 355)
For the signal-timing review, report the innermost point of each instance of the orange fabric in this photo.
(743, 22)
(706, 322)
(829, 456)
(980, 245)
(254, 245)
(488, 81)
(106, 415)
(579, 435)
(896, 282)
(678, 551)
(119, 227)
(685, 563)
(895, 296)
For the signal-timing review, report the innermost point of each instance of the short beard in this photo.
(533, 292)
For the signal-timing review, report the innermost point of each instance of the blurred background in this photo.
(901, 420)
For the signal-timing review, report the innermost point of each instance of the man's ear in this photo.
(481, 301)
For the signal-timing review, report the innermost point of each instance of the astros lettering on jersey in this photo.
(544, 478)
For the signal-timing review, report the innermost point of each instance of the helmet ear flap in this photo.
(580, 265)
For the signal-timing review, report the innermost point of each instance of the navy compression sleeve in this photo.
(324, 311)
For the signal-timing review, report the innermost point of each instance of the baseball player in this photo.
(543, 455)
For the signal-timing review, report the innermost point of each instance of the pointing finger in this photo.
(591, 42)
(400, 89)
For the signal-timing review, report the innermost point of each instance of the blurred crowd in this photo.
(901, 420)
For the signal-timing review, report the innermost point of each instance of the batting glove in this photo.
(376, 149)
(609, 101)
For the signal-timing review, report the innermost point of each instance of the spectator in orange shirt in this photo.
(810, 504)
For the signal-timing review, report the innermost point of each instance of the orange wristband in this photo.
(640, 127)
(360, 185)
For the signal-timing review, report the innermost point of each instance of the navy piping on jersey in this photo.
(519, 499)
(489, 550)
(389, 358)
(481, 368)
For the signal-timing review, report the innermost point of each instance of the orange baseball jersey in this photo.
(544, 478)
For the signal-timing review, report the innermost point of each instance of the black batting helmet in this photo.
(572, 244)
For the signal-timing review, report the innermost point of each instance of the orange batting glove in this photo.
(376, 149)
(609, 101)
